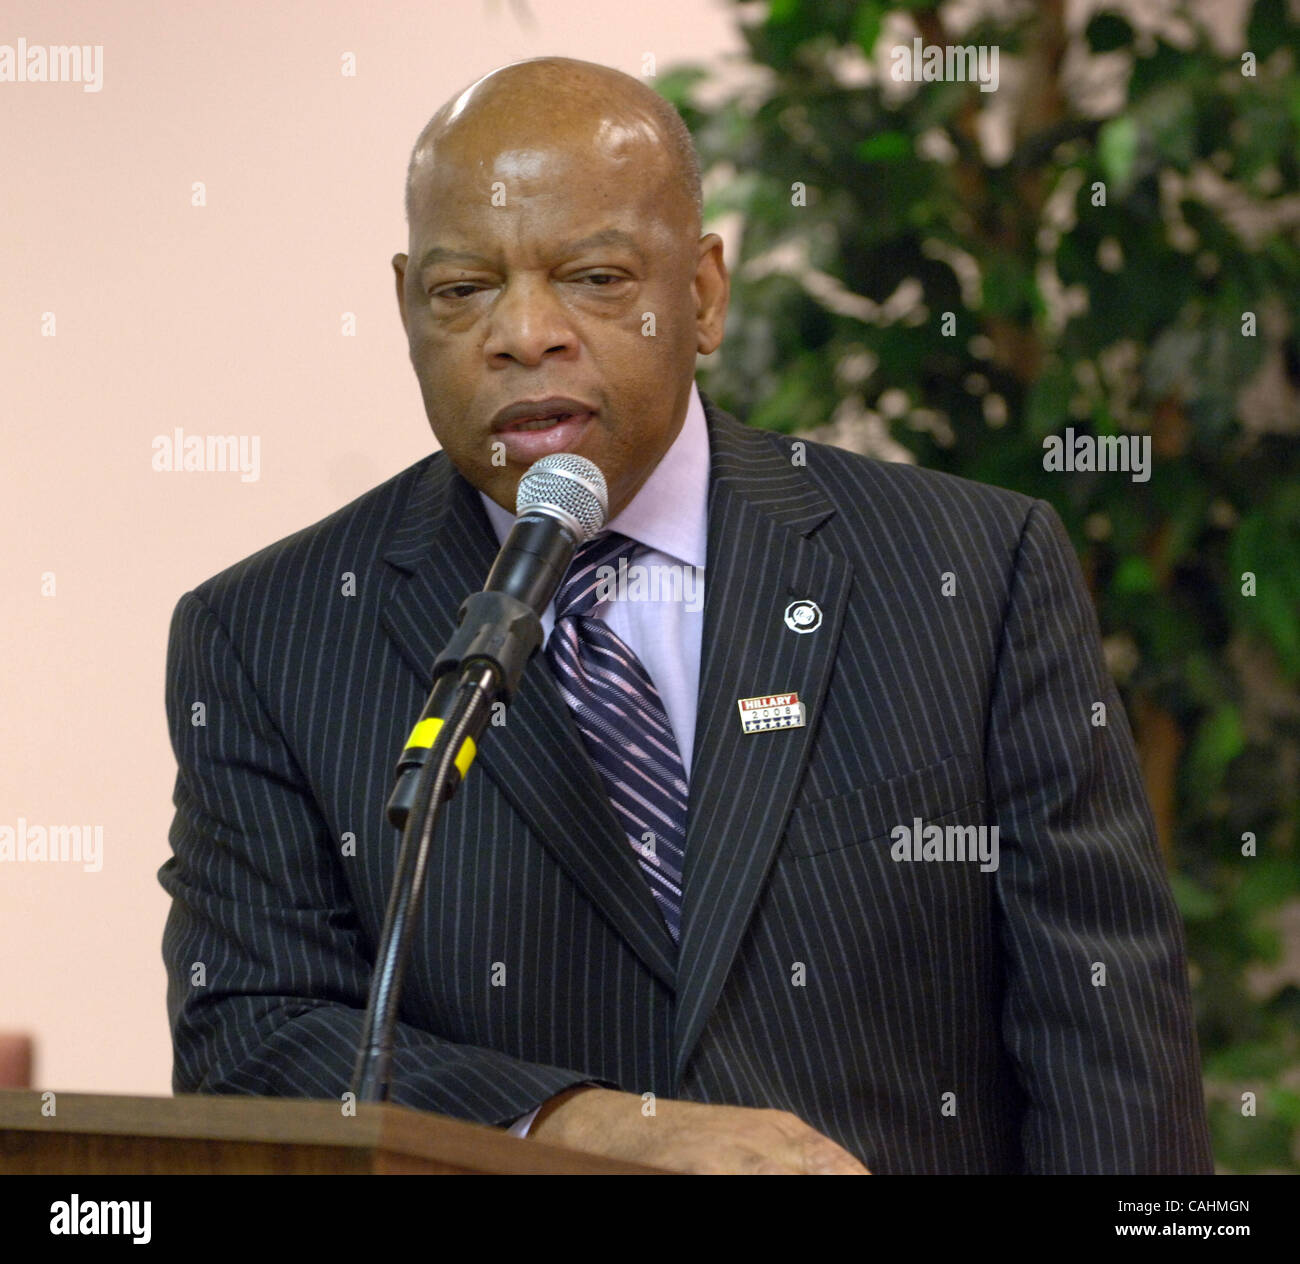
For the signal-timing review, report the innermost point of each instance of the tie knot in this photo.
(593, 574)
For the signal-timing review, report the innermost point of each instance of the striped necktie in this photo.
(622, 720)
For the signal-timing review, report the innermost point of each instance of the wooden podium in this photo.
(100, 1135)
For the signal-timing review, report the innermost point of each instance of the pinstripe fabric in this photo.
(929, 1016)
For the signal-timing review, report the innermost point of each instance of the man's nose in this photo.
(528, 322)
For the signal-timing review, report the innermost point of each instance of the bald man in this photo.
(885, 662)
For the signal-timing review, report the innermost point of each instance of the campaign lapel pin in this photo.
(803, 616)
(771, 711)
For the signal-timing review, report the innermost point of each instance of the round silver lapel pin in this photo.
(803, 616)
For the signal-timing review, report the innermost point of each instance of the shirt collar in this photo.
(670, 512)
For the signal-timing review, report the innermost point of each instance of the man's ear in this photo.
(399, 267)
(712, 294)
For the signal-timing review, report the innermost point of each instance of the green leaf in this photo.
(1286, 1104)
(1008, 287)
(1249, 1060)
(1266, 544)
(1046, 409)
(1266, 882)
(1108, 32)
(1133, 575)
(1195, 903)
(867, 22)
(1168, 117)
(1117, 146)
(1166, 65)
(884, 147)
(675, 85)
(1265, 943)
(1275, 611)
(1269, 28)
(1219, 740)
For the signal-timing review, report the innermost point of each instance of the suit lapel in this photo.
(444, 549)
(761, 511)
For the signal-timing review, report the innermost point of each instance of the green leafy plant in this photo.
(1107, 242)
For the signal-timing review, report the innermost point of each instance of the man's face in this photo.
(556, 268)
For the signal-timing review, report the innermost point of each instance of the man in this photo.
(909, 918)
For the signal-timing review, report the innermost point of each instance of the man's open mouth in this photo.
(543, 423)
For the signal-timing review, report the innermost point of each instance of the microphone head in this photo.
(570, 489)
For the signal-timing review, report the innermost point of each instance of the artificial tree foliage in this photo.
(1124, 268)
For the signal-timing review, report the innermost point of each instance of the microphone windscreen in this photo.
(568, 487)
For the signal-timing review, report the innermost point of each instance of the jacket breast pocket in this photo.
(937, 791)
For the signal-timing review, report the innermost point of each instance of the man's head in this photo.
(555, 251)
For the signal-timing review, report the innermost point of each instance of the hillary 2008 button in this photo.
(771, 711)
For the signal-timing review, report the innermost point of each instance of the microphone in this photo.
(562, 502)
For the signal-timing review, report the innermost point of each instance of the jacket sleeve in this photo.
(267, 977)
(1097, 1013)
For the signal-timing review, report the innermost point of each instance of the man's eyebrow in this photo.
(441, 254)
(606, 237)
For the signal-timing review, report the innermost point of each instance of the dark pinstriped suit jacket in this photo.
(928, 1016)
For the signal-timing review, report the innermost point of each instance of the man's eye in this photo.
(601, 280)
(449, 291)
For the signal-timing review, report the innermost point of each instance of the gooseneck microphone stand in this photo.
(562, 500)
(482, 664)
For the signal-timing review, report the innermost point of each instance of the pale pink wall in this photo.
(225, 320)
